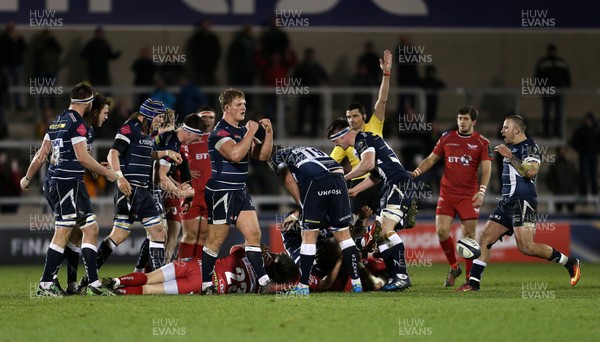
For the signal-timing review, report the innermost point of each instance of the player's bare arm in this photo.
(386, 66)
(114, 164)
(425, 165)
(291, 185)
(168, 185)
(36, 163)
(526, 169)
(175, 156)
(366, 164)
(262, 151)
(364, 185)
(486, 172)
(235, 152)
(91, 164)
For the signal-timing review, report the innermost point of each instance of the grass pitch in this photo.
(532, 302)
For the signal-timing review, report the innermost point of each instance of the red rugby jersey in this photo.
(462, 155)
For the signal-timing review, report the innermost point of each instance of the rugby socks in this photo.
(89, 254)
(186, 250)
(107, 246)
(132, 279)
(468, 266)
(476, 273)
(393, 251)
(143, 256)
(254, 255)
(448, 248)
(54, 258)
(307, 258)
(558, 257)
(350, 259)
(72, 253)
(157, 254)
(209, 258)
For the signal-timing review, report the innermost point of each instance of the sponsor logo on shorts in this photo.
(330, 192)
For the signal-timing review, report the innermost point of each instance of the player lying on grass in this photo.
(232, 274)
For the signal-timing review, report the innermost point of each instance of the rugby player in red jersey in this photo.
(463, 151)
(195, 224)
(232, 274)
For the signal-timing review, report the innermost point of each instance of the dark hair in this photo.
(336, 126)
(357, 105)
(228, 95)
(283, 269)
(81, 91)
(97, 105)
(195, 122)
(472, 111)
(518, 120)
(205, 108)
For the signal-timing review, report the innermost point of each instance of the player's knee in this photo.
(443, 233)
(118, 236)
(393, 212)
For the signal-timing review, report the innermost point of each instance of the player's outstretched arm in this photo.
(425, 165)
(364, 185)
(386, 66)
(88, 162)
(36, 163)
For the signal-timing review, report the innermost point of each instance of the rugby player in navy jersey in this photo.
(69, 135)
(516, 211)
(376, 155)
(230, 146)
(95, 118)
(132, 156)
(316, 182)
(190, 131)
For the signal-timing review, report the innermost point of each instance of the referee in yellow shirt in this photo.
(357, 119)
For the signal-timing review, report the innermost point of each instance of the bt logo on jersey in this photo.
(464, 160)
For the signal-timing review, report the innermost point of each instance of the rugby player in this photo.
(230, 146)
(316, 182)
(195, 224)
(376, 155)
(69, 135)
(463, 150)
(516, 211)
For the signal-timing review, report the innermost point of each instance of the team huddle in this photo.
(193, 176)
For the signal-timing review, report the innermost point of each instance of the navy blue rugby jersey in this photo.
(66, 130)
(226, 175)
(513, 184)
(164, 142)
(135, 149)
(388, 165)
(305, 163)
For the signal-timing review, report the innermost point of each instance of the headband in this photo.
(339, 134)
(191, 130)
(87, 100)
